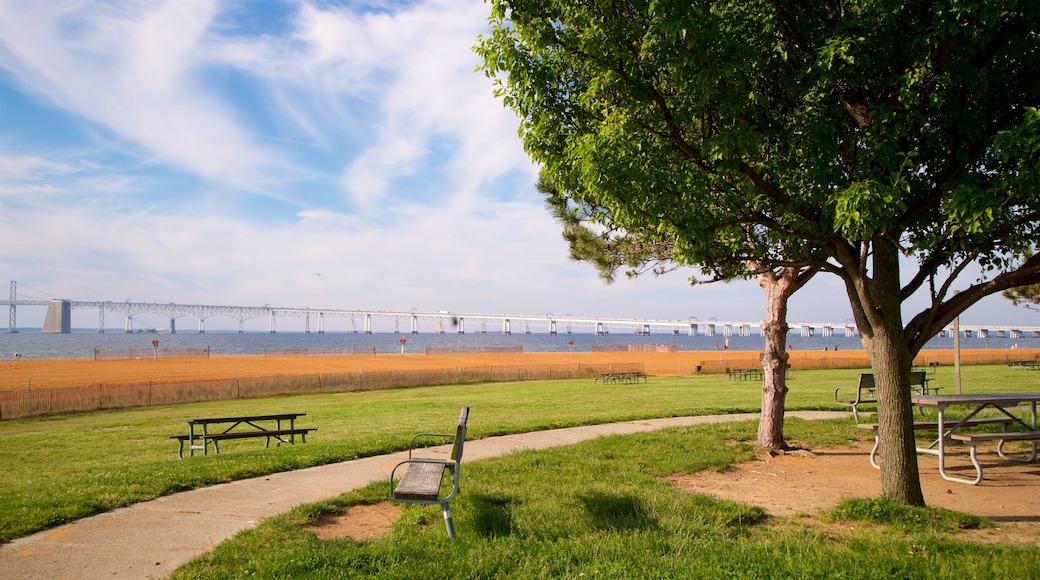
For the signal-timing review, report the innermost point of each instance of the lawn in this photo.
(57, 469)
(603, 509)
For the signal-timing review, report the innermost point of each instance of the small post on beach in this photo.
(155, 350)
(403, 340)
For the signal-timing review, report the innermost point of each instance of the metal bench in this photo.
(866, 391)
(424, 477)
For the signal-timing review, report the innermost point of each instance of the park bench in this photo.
(424, 477)
(921, 425)
(973, 440)
(866, 391)
(240, 428)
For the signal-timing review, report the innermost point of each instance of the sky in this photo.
(297, 153)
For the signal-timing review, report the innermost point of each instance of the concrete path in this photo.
(150, 539)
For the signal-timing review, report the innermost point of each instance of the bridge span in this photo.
(58, 320)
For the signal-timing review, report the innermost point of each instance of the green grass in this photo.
(57, 469)
(603, 509)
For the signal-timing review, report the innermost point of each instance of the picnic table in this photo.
(1001, 402)
(746, 374)
(269, 426)
(1031, 365)
(622, 377)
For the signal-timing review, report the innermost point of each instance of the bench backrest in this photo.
(866, 380)
(460, 435)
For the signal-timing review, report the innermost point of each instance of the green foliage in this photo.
(782, 134)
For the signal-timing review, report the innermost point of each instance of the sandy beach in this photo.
(46, 373)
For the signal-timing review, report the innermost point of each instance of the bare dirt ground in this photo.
(802, 483)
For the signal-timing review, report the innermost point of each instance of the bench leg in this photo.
(1030, 459)
(447, 520)
(975, 462)
(873, 452)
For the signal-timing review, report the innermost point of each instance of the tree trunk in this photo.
(891, 360)
(778, 289)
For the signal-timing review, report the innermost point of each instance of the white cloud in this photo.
(132, 68)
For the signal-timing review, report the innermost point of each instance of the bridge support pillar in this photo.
(462, 325)
(693, 329)
(368, 324)
(600, 329)
(271, 325)
(173, 326)
(202, 326)
(552, 328)
(321, 323)
(415, 324)
(505, 326)
(59, 317)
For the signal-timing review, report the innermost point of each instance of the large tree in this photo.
(893, 144)
(594, 238)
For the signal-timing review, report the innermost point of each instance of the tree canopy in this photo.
(894, 144)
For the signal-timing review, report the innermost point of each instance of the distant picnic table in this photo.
(746, 374)
(280, 427)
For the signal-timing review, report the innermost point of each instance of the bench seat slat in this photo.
(420, 481)
(246, 434)
(935, 424)
(1010, 436)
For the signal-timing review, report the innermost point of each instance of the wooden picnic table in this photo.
(269, 426)
(1001, 402)
(1031, 365)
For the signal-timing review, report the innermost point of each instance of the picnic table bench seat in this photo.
(423, 478)
(924, 425)
(973, 440)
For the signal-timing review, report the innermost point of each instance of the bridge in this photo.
(58, 320)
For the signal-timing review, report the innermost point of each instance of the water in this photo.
(30, 343)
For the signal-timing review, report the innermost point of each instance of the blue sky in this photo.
(298, 153)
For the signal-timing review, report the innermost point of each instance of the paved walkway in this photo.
(150, 539)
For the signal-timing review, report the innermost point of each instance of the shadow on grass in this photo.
(617, 512)
(493, 515)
